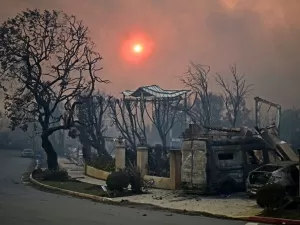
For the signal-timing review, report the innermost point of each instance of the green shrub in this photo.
(55, 175)
(117, 181)
(271, 196)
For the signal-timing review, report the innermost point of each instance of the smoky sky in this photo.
(261, 36)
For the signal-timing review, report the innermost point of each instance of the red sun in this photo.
(137, 48)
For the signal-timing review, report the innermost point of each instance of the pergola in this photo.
(154, 92)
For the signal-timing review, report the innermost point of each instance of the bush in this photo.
(136, 178)
(117, 181)
(37, 174)
(55, 175)
(271, 196)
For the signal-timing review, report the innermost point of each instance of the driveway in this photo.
(21, 204)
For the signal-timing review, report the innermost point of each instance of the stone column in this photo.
(175, 168)
(120, 154)
(142, 159)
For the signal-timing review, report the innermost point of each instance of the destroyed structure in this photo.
(220, 159)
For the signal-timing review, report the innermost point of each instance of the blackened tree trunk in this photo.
(98, 144)
(51, 154)
(86, 152)
(163, 136)
(101, 150)
(86, 146)
(164, 142)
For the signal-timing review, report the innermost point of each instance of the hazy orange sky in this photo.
(261, 36)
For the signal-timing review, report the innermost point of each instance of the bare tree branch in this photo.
(128, 120)
(234, 95)
(163, 114)
(196, 79)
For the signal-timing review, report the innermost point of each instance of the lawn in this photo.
(77, 186)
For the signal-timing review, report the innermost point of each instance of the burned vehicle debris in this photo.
(283, 169)
(285, 173)
(220, 161)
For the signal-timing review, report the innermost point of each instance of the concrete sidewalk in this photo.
(234, 206)
(77, 172)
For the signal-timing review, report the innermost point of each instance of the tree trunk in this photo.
(51, 154)
(86, 146)
(164, 142)
(86, 151)
(101, 150)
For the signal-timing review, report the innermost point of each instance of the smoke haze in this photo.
(261, 36)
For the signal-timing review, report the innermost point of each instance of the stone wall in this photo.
(96, 173)
(173, 182)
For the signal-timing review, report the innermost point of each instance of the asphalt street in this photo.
(21, 204)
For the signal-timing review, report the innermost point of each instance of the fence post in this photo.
(175, 168)
(142, 159)
(120, 154)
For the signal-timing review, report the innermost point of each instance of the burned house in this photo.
(220, 159)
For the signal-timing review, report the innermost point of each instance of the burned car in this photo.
(220, 162)
(285, 173)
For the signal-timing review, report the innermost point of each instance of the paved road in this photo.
(24, 205)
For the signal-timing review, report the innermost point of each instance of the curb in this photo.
(126, 202)
(272, 220)
(74, 193)
(257, 219)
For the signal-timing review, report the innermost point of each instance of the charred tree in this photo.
(128, 117)
(163, 114)
(93, 114)
(47, 58)
(78, 132)
(234, 96)
(196, 79)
